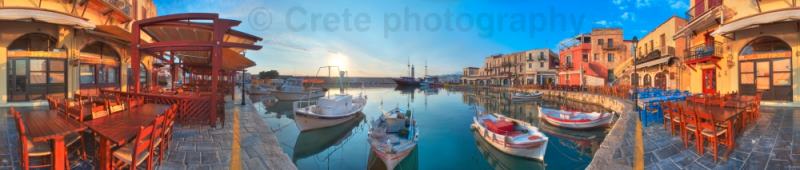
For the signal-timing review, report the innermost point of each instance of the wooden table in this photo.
(50, 125)
(118, 128)
(720, 114)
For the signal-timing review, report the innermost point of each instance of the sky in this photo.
(378, 38)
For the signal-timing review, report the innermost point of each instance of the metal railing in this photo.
(612, 47)
(704, 50)
(698, 9)
(655, 54)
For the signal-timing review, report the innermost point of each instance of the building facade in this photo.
(658, 57)
(609, 49)
(532, 67)
(577, 66)
(745, 47)
(60, 48)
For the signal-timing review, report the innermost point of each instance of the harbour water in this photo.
(445, 140)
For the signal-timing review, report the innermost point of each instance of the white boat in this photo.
(511, 136)
(327, 111)
(292, 89)
(574, 119)
(526, 96)
(393, 136)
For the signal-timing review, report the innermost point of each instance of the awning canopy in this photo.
(654, 62)
(44, 15)
(185, 31)
(115, 31)
(756, 20)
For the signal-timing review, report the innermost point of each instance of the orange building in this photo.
(577, 68)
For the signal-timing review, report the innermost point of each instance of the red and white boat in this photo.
(511, 136)
(575, 119)
(393, 136)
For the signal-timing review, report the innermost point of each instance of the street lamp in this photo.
(243, 87)
(636, 83)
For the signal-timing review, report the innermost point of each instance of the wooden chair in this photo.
(75, 112)
(140, 149)
(40, 151)
(99, 111)
(169, 125)
(690, 123)
(114, 107)
(709, 130)
(672, 117)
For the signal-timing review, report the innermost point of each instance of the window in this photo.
(530, 56)
(530, 65)
(99, 66)
(87, 74)
(35, 78)
(34, 42)
(586, 57)
(541, 64)
(595, 56)
(610, 42)
(600, 42)
(610, 57)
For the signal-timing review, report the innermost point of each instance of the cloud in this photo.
(623, 4)
(606, 23)
(628, 16)
(678, 4)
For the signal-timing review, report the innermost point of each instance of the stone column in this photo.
(3, 75)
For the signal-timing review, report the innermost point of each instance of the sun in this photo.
(339, 59)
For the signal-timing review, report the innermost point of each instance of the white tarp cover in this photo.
(654, 62)
(765, 18)
(45, 16)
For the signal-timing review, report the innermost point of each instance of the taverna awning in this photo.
(44, 15)
(756, 20)
(187, 31)
(651, 63)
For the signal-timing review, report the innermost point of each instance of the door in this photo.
(780, 80)
(18, 80)
(709, 81)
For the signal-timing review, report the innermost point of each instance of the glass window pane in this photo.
(781, 79)
(762, 68)
(762, 83)
(87, 74)
(56, 77)
(112, 74)
(38, 65)
(101, 75)
(747, 78)
(746, 67)
(56, 65)
(781, 65)
(21, 67)
(38, 77)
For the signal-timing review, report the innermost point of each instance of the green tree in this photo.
(268, 74)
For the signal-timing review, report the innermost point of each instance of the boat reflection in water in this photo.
(501, 160)
(312, 142)
(410, 162)
(584, 142)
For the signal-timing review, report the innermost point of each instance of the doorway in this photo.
(709, 81)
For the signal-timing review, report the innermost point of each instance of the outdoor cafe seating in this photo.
(710, 119)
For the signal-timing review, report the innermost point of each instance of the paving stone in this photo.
(781, 154)
(757, 160)
(210, 158)
(666, 152)
(778, 165)
(194, 158)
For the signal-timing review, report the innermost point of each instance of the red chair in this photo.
(168, 129)
(40, 151)
(690, 122)
(709, 130)
(140, 149)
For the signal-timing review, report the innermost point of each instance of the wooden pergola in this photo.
(208, 49)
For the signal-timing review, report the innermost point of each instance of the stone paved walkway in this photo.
(193, 147)
(772, 143)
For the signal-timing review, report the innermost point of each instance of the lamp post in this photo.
(243, 88)
(635, 83)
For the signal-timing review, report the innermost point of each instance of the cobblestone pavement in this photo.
(772, 143)
(193, 147)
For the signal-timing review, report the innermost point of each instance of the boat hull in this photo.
(405, 82)
(392, 159)
(601, 122)
(307, 122)
(291, 96)
(533, 152)
(312, 142)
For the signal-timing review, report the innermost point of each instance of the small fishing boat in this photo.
(327, 111)
(292, 89)
(521, 96)
(511, 136)
(313, 142)
(575, 119)
(500, 160)
(393, 136)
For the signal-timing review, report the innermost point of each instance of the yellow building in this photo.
(658, 55)
(57, 48)
(744, 46)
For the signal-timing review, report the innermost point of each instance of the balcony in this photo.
(612, 47)
(704, 53)
(701, 7)
(656, 54)
(121, 8)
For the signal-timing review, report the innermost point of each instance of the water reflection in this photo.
(446, 140)
(313, 142)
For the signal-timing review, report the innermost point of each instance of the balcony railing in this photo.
(701, 7)
(122, 5)
(703, 51)
(655, 54)
(612, 47)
